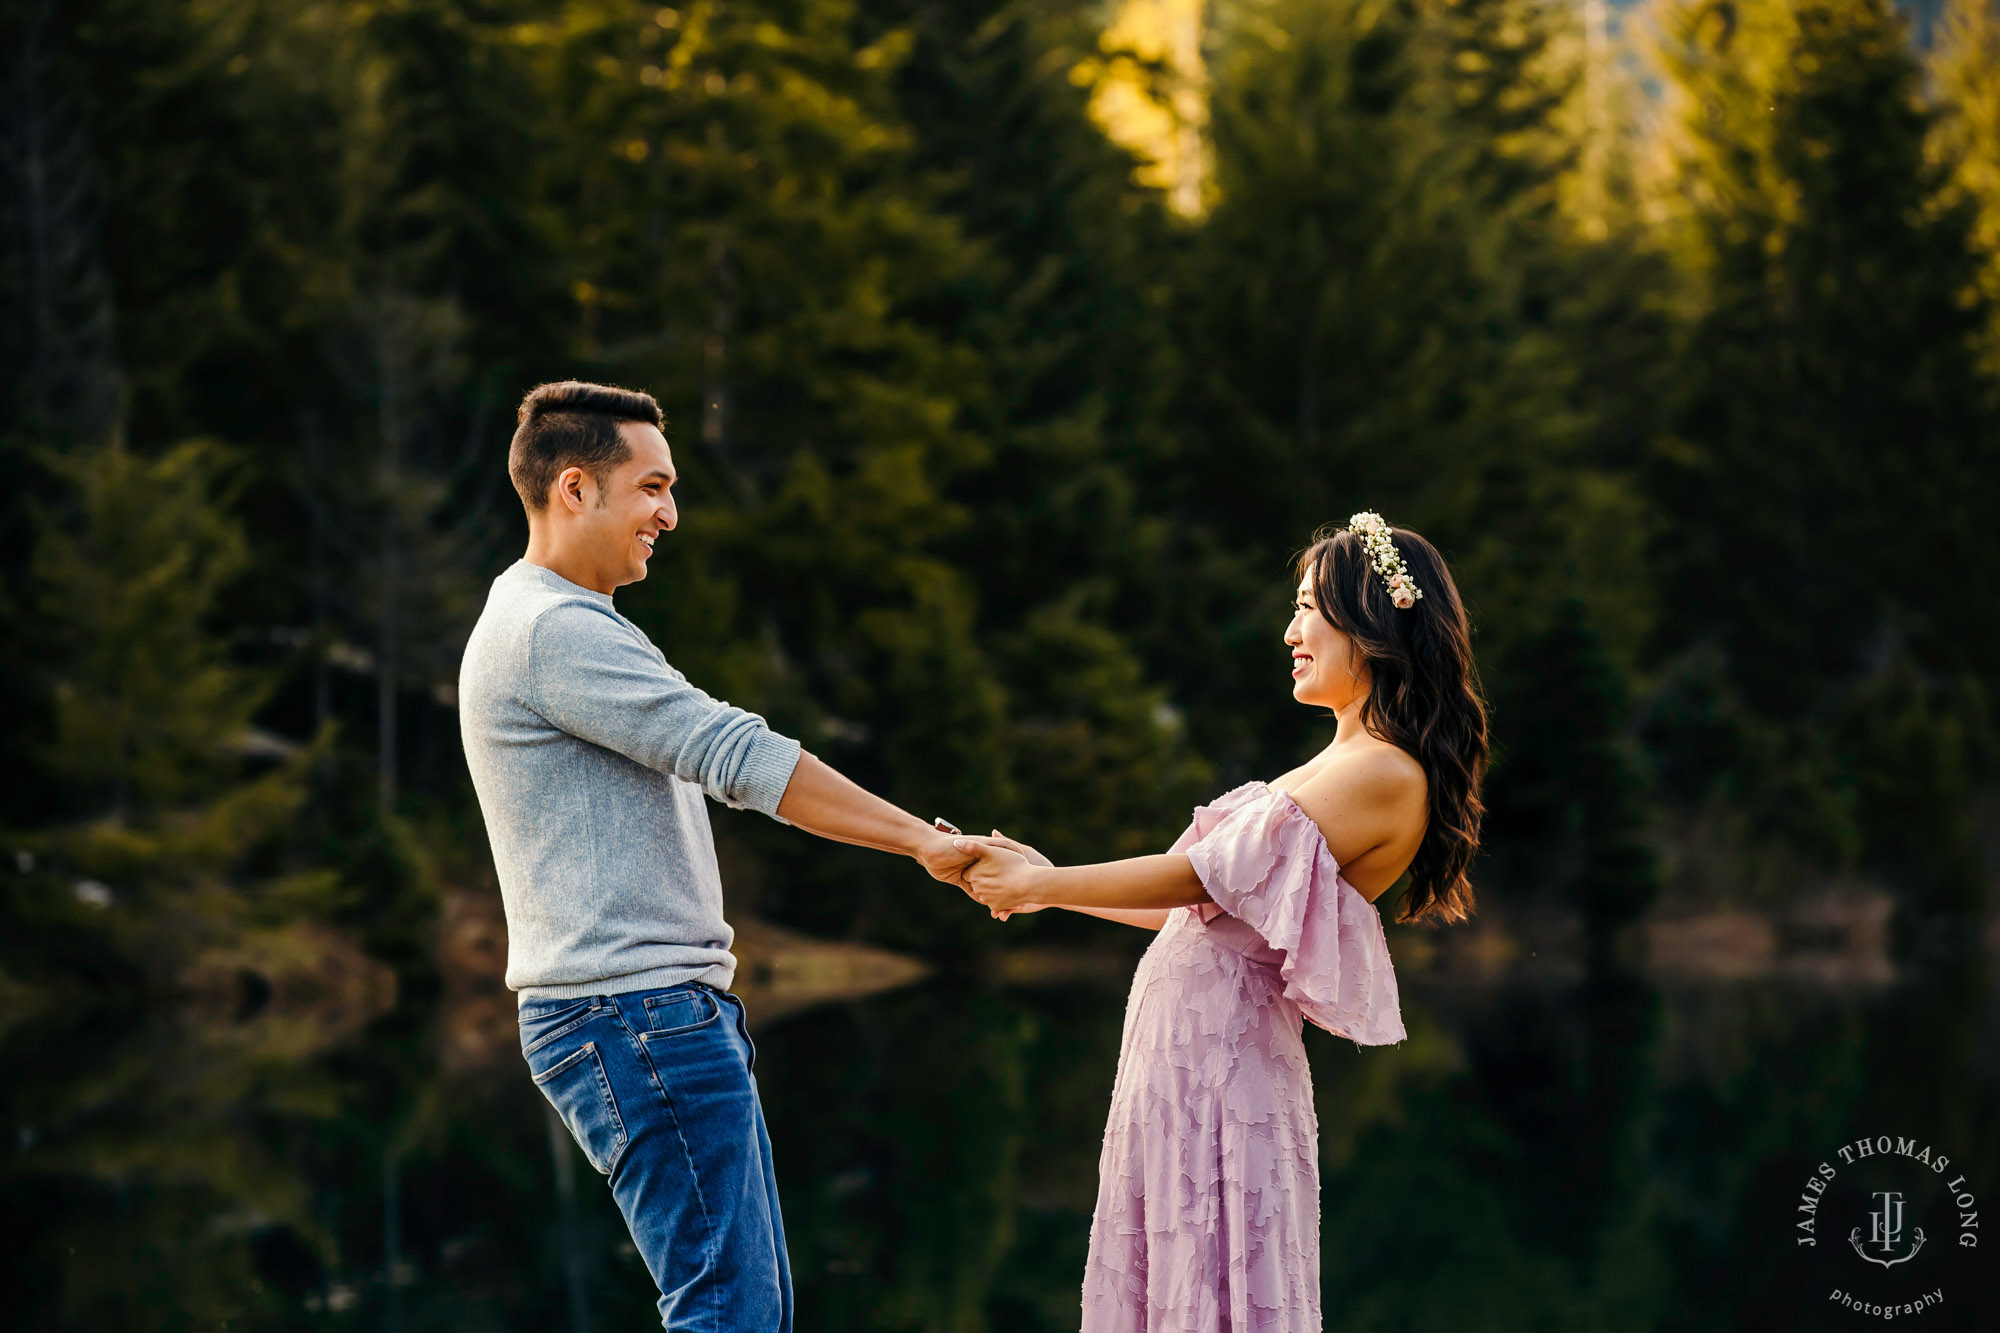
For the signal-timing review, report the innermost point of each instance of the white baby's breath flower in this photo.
(1383, 557)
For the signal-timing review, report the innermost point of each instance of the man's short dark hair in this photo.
(572, 424)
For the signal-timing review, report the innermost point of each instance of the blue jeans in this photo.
(656, 1088)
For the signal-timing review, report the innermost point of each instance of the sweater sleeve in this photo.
(1266, 864)
(595, 678)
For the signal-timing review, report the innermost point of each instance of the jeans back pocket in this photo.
(577, 1087)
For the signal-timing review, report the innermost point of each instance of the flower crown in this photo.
(1374, 534)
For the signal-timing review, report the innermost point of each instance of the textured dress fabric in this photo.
(1207, 1215)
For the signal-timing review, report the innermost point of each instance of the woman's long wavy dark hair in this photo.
(1424, 698)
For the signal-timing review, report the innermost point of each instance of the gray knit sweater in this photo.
(590, 756)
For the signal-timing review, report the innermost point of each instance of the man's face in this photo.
(635, 505)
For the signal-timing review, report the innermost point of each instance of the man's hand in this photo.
(940, 856)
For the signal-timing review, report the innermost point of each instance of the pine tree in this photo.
(67, 381)
(172, 802)
(1066, 312)
(1374, 320)
(299, 203)
(421, 113)
(747, 242)
(1830, 461)
(1568, 810)
(1965, 72)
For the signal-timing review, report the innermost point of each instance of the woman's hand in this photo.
(1034, 858)
(1000, 877)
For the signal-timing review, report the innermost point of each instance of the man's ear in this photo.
(569, 489)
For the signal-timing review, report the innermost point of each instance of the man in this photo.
(591, 756)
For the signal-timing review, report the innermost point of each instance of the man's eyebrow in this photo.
(669, 477)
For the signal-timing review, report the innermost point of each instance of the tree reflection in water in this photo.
(1594, 1155)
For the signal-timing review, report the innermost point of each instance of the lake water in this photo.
(1545, 1154)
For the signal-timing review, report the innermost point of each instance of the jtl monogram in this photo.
(1885, 1231)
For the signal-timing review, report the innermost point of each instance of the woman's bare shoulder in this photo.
(1376, 771)
(1365, 796)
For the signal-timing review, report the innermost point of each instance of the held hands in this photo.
(943, 858)
(1001, 874)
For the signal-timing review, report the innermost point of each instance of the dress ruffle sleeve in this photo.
(1264, 861)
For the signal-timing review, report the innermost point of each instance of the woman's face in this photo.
(1326, 670)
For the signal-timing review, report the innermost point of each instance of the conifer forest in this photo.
(1010, 351)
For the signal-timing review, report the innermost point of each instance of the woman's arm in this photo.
(1006, 881)
(1145, 918)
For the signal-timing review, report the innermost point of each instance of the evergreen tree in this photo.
(168, 836)
(993, 461)
(1830, 461)
(1965, 73)
(384, 431)
(299, 202)
(1372, 324)
(1569, 812)
(1067, 313)
(751, 247)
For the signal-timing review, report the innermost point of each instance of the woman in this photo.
(1207, 1212)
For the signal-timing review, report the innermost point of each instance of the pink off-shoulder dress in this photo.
(1207, 1214)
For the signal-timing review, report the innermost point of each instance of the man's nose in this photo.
(669, 515)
